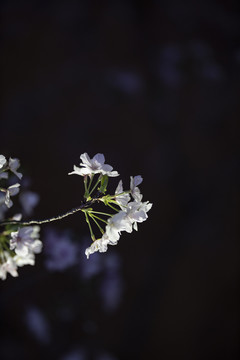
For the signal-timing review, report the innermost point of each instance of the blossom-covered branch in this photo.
(19, 240)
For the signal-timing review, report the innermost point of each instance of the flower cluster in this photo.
(8, 166)
(130, 209)
(24, 244)
(18, 245)
(19, 240)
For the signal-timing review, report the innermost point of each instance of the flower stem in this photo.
(86, 194)
(100, 228)
(89, 225)
(100, 219)
(98, 181)
(100, 213)
(113, 207)
(90, 183)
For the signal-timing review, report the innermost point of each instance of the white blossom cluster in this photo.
(18, 245)
(131, 213)
(19, 242)
(131, 208)
(11, 165)
(24, 244)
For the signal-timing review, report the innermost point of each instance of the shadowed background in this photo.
(155, 88)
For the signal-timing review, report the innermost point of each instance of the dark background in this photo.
(155, 87)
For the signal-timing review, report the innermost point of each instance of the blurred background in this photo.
(155, 87)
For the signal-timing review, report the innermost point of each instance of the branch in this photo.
(55, 218)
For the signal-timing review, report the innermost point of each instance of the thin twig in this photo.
(54, 218)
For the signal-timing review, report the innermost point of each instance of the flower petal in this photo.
(100, 159)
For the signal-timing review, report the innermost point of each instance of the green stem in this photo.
(98, 181)
(100, 213)
(113, 207)
(100, 228)
(90, 183)
(89, 225)
(100, 219)
(86, 194)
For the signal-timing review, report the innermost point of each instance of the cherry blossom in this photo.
(19, 242)
(122, 198)
(25, 241)
(14, 164)
(135, 191)
(2, 161)
(98, 245)
(137, 212)
(96, 165)
(10, 191)
(7, 266)
(28, 259)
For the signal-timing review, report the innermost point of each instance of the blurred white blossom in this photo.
(60, 251)
(28, 200)
(2, 161)
(14, 164)
(28, 259)
(10, 191)
(7, 265)
(38, 324)
(75, 354)
(25, 241)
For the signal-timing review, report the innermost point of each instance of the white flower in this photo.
(11, 191)
(134, 182)
(98, 245)
(17, 217)
(2, 161)
(122, 199)
(24, 241)
(13, 166)
(112, 234)
(4, 175)
(28, 259)
(8, 266)
(137, 212)
(93, 166)
(119, 222)
(126, 219)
